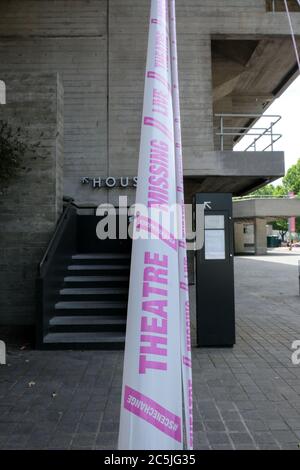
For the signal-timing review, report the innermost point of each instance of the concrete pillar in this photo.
(239, 246)
(260, 236)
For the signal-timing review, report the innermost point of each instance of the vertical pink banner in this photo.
(151, 406)
(292, 220)
(186, 362)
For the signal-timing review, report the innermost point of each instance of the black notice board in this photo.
(215, 272)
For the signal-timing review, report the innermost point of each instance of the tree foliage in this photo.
(11, 151)
(291, 181)
(270, 190)
(282, 226)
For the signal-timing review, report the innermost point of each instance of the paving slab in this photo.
(247, 397)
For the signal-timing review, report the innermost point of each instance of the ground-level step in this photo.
(92, 340)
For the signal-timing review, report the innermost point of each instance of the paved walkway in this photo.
(247, 397)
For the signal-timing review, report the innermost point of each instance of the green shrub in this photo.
(12, 149)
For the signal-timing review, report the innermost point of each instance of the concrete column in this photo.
(239, 246)
(260, 236)
(32, 201)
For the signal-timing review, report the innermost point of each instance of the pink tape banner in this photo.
(155, 414)
(153, 356)
(182, 255)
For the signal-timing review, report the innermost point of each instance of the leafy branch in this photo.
(12, 150)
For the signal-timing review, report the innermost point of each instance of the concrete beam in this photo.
(229, 163)
(268, 208)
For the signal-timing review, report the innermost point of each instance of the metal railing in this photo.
(236, 132)
(277, 6)
(258, 196)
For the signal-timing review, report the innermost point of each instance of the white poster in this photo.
(151, 407)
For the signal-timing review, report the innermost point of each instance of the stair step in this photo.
(91, 281)
(87, 323)
(87, 320)
(86, 269)
(101, 306)
(95, 267)
(95, 291)
(95, 278)
(105, 256)
(91, 340)
(102, 258)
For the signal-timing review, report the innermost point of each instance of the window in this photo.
(214, 237)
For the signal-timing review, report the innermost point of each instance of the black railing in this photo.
(52, 267)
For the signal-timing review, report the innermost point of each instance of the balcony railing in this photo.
(258, 196)
(276, 6)
(254, 135)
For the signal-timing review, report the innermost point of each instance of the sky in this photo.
(287, 106)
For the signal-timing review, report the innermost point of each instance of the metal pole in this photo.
(271, 133)
(299, 275)
(292, 33)
(222, 133)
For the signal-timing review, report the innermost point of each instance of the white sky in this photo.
(288, 106)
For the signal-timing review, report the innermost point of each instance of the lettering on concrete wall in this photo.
(2, 92)
(110, 182)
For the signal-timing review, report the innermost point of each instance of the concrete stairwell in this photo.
(92, 303)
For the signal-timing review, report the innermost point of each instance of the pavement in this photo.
(247, 397)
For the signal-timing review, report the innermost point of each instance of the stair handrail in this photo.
(69, 203)
(60, 223)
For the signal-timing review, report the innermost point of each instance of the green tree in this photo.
(282, 226)
(271, 190)
(291, 181)
(11, 151)
(267, 190)
(280, 191)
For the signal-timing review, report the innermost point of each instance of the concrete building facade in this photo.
(234, 57)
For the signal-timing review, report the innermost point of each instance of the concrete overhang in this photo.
(237, 172)
(270, 209)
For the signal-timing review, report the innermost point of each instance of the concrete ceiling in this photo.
(237, 185)
(256, 68)
(248, 74)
